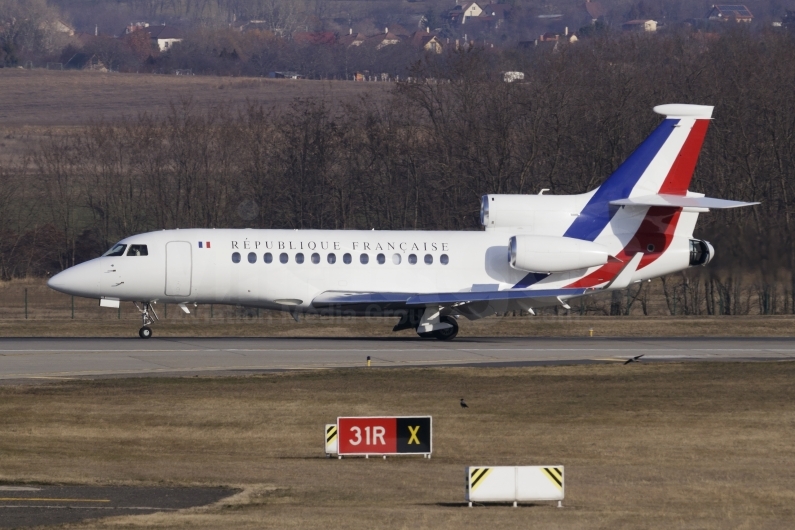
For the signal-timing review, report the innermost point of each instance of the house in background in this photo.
(460, 13)
(352, 39)
(426, 41)
(85, 61)
(164, 36)
(640, 25)
(497, 13)
(552, 37)
(725, 13)
(387, 38)
(60, 26)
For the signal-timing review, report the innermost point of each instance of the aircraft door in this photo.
(179, 268)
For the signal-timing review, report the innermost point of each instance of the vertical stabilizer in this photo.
(663, 163)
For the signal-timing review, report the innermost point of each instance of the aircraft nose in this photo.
(80, 280)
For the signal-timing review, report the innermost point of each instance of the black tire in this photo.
(145, 332)
(448, 333)
(427, 335)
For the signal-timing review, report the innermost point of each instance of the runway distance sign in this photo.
(384, 435)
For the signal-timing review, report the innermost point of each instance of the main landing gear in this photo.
(147, 312)
(429, 323)
(442, 334)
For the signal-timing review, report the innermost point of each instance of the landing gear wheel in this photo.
(447, 333)
(145, 332)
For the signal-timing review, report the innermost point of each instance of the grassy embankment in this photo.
(695, 445)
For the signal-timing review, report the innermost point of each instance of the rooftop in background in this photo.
(737, 12)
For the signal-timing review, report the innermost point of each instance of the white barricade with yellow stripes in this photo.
(514, 484)
(331, 439)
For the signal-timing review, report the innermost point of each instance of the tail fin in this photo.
(662, 164)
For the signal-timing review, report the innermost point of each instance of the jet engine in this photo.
(701, 252)
(554, 254)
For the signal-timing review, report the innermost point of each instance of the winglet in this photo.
(624, 276)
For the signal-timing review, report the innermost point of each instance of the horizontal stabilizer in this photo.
(678, 201)
(680, 110)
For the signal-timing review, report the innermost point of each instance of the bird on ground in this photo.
(463, 405)
(635, 359)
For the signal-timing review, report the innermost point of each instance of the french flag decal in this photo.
(205, 243)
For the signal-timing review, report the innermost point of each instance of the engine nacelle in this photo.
(554, 254)
(701, 252)
(540, 213)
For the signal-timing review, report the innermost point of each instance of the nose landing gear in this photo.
(145, 309)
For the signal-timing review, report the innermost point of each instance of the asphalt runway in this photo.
(34, 505)
(64, 358)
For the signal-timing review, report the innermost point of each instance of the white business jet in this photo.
(535, 251)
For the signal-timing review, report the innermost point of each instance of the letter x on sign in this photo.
(413, 430)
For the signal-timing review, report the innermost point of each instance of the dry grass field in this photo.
(35, 101)
(695, 445)
(64, 98)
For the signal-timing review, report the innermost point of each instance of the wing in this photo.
(537, 296)
(531, 296)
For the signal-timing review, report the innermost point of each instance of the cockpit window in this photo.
(117, 250)
(138, 250)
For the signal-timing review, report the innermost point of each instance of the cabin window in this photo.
(413, 259)
(443, 259)
(315, 258)
(117, 250)
(381, 259)
(346, 259)
(283, 257)
(332, 258)
(138, 250)
(364, 259)
(396, 259)
(428, 259)
(235, 257)
(252, 258)
(268, 257)
(299, 258)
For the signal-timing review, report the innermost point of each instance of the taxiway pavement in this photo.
(57, 358)
(34, 505)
